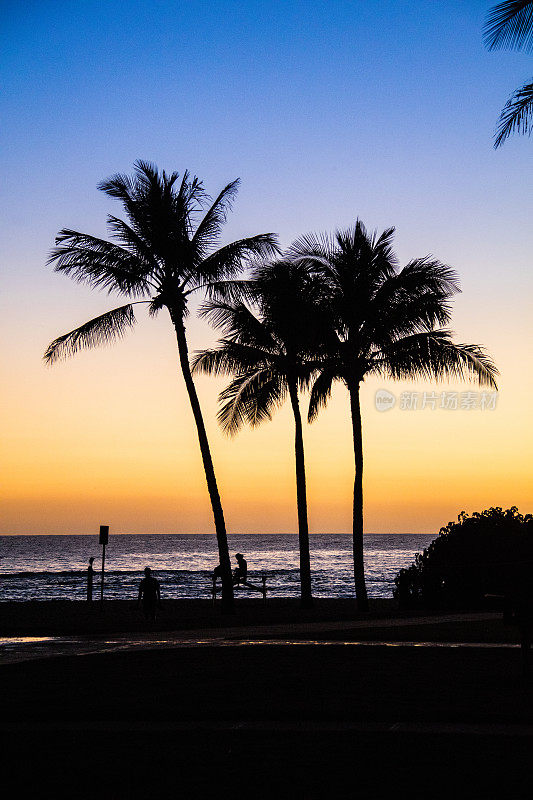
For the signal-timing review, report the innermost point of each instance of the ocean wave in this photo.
(138, 573)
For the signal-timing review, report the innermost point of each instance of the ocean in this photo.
(54, 567)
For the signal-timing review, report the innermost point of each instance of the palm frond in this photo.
(320, 392)
(155, 305)
(131, 240)
(230, 259)
(433, 355)
(250, 398)
(429, 274)
(228, 291)
(189, 199)
(119, 186)
(102, 330)
(414, 299)
(362, 246)
(240, 325)
(510, 25)
(231, 357)
(363, 260)
(212, 362)
(208, 231)
(100, 264)
(516, 116)
(317, 247)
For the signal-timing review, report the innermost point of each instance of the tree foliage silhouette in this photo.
(486, 553)
(271, 354)
(510, 25)
(161, 256)
(381, 321)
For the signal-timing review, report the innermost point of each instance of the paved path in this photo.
(17, 649)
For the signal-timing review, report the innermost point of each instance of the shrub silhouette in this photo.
(487, 553)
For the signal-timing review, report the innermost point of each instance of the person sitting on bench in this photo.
(240, 572)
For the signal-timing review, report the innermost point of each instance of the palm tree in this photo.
(381, 322)
(160, 257)
(271, 356)
(510, 25)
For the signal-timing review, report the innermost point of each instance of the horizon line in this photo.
(254, 533)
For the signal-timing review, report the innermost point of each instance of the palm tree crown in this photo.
(381, 320)
(266, 350)
(163, 254)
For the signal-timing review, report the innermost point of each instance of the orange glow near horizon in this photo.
(113, 441)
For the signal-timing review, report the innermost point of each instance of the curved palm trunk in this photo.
(301, 499)
(220, 525)
(358, 555)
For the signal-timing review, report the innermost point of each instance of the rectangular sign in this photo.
(104, 534)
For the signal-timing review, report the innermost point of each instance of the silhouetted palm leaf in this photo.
(230, 357)
(517, 115)
(433, 354)
(100, 264)
(250, 398)
(321, 390)
(229, 260)
(98, 331)
(510, 25)
(208, 231)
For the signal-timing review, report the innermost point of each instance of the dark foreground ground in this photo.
(75, 618)
(267, 720)
(71, 617)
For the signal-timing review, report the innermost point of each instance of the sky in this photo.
(378, 109)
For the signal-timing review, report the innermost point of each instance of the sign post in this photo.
(104, 538)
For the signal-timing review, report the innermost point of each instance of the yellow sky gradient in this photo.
(108, 437)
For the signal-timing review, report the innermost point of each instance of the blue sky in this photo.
(322, 109)
(327, 111)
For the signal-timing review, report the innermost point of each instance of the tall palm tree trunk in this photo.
(218, 514)
(358, 553)
(306, 599)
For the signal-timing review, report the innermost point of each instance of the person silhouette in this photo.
(241, 571)
(90, 576)
(149, 594)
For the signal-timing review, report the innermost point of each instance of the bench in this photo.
(243, 585)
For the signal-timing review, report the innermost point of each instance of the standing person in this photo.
(241, 571)
(150, 594)
(90, 577)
